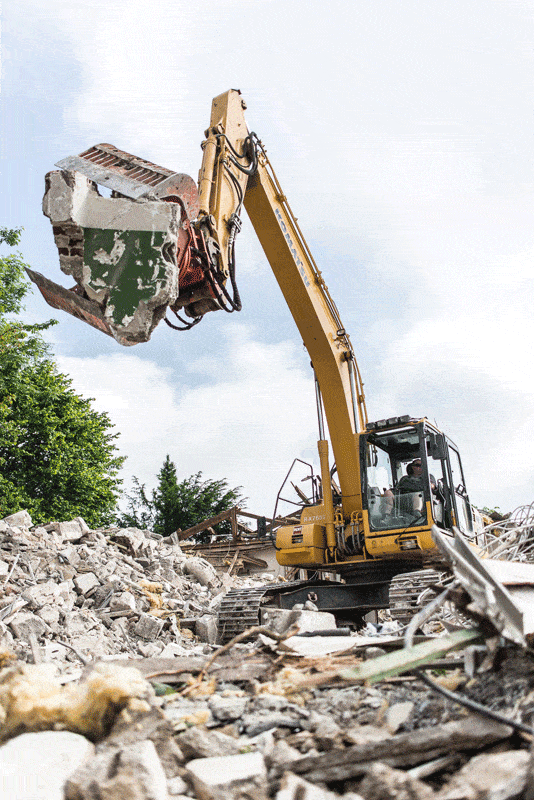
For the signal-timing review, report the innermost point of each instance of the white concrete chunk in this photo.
(36, 765)
(25, 624)
(397, 714)
(293, 786)
(125, 601)
(490, 776)
(85, 582)
(226, 709)
(279, 620)
(19, 519)
(41, 594)
(225, 777)
(206, 628)
(71, 531)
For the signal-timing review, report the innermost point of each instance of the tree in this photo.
(57, 454)
(176, 505)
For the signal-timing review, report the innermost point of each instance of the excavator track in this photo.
(406, 590)
(240, 608)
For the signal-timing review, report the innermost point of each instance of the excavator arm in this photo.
(162, 243)
(236, 171)
(155, 245)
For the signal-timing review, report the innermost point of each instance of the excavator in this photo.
(160, 243)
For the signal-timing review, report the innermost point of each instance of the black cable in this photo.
(249, 152)
(472, 704)
(186, 325)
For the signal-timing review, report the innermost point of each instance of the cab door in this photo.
(463, 512)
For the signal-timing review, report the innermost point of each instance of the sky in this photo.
(401, 132)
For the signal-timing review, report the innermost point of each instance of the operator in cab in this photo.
(413, 480)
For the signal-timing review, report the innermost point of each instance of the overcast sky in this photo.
(401, 132)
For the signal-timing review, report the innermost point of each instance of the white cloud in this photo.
(246, 426)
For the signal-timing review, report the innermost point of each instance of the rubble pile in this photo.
(112, 688)
(86, 594)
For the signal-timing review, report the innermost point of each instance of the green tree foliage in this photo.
(57, 454)
(178, 505)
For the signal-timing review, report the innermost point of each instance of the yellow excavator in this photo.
(159, 242)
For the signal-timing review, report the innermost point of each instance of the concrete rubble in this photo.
(112, 686)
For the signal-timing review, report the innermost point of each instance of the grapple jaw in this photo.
(132, 255)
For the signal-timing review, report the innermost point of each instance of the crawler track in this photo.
(406, 590)
(240, 608)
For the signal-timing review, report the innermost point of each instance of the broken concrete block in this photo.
(229, 777)
(206, 628)
(293, 786)
(397, 714)
(492, 776)
(70, 531)
(69, 555)
(385, 783)
(227, 709)
(148, 627)
(171, 650)
(21, 519)
(259, 722)
(328, 734)
(25, 624)
(49, 613)
(125, 601)
(36, 765)
(6, 637)
(83, 524)
(133, 771)
(201, 570)
(41, 594)
(280, 620)
(281, 753)
(148, 649)
(203, 743)
(86, 581)
(132, 538)
(122, 253)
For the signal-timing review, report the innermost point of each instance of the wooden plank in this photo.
(207, 523)
(411, 658)
(415, 747)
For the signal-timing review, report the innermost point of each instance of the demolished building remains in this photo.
(112, 684)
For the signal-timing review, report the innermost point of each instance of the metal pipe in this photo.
(328, 500)
(205, 177)
(355, 406)
(319, 408)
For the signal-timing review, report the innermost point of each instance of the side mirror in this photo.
(437, 446)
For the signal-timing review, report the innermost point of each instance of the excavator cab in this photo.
(412, 478)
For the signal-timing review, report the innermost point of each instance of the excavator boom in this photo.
(165, 244)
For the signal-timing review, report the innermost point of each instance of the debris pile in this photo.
(69, 592)
(111, 688)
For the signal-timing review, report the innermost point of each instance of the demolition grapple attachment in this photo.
(133, 254)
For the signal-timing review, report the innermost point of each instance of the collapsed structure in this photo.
(110, 688)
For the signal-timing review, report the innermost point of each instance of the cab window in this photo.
(395, 495)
